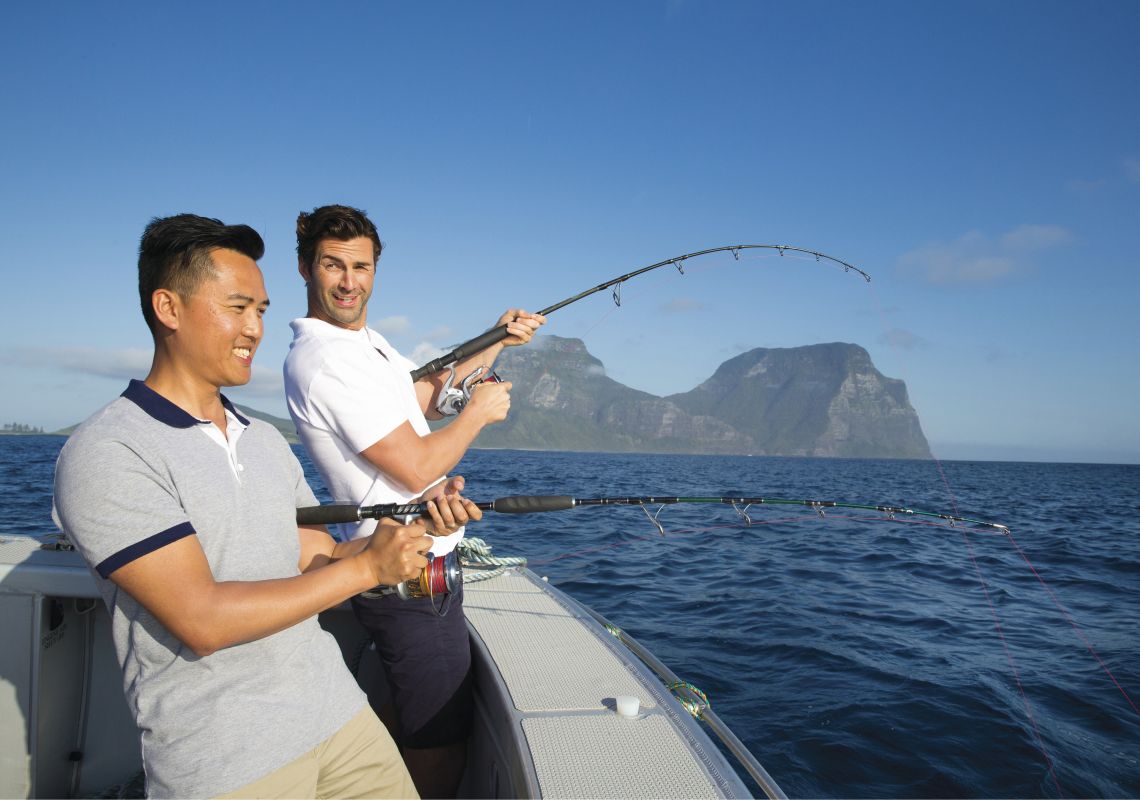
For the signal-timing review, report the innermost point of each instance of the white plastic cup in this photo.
(627, 705)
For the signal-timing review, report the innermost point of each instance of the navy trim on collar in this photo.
(158, 406)
(165, 411)
(233, 410)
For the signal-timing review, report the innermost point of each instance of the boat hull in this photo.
(547, 679)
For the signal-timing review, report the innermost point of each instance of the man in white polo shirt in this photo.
(364, 424)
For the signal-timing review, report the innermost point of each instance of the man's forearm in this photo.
(440, 451)
(244, 611)
(419, 461)
(208, 615)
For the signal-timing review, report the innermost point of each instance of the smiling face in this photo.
(340, 281)
(221, 323)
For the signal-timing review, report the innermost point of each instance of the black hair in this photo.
(174, 253)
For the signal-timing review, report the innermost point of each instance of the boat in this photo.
(566, 704)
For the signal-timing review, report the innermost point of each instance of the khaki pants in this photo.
(359, 760)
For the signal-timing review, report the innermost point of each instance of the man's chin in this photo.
(237, 380)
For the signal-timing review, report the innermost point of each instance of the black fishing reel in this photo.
(451, 400)
(442, 576)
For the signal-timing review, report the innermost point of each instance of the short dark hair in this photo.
(174, 253)
(333, 222)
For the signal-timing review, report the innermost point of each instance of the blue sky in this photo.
(980, 160)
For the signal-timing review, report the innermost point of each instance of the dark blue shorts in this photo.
(427, 660)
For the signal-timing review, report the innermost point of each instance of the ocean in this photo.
(854, 655)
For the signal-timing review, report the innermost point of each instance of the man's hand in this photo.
(448, 511)
(396, 553)
(490, 402)
(521, 326)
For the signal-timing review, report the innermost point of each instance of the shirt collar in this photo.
(165, 411)
(308, 326)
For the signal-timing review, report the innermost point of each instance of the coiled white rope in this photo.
(478, 563)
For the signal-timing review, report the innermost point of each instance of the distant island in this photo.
(821, 400)
(19, 429)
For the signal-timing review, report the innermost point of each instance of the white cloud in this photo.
(425, 351)
(442, 333)
(1026, 238)
(121, 364)
(975, 258)
(903, 339)
(265, 382)
(392, 326)
(682, 305)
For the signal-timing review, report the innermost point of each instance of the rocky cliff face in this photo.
(821, 400)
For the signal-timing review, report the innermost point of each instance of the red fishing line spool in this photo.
(438, 579)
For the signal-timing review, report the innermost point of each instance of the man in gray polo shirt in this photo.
(185, 511)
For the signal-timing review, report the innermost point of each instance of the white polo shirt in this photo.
(347, 390)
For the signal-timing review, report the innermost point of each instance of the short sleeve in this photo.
(356, 401)
(114, 504)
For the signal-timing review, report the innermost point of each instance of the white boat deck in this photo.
(558, 673)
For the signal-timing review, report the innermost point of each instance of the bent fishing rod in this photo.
(485, 340)
(530, 504)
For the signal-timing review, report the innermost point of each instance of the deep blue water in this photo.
(855, 657)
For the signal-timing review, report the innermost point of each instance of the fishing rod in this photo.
(442, 574)
(530, 504)
(485, 340)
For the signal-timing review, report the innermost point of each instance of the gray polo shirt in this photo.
(142, 473)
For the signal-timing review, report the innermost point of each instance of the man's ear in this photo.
(305, 270)
(167, 307)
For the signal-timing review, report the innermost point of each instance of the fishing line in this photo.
(1076, 628)
(981, 579)
(1013, 668)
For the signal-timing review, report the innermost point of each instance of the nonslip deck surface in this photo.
(563, 678)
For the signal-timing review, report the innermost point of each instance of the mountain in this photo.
(818, 400)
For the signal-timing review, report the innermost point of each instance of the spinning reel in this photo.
(441, 576)
(451, 400)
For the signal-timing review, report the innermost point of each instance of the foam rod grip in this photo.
(328, 514)
(529, 504)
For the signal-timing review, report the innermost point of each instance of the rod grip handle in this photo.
(468, 348)
(328, 514)
(529, 504)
